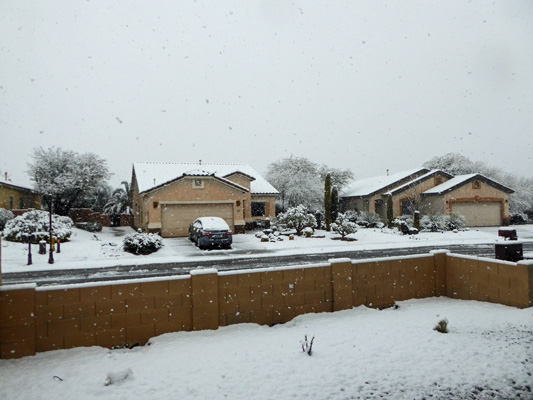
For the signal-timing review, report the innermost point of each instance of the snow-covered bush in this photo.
(308, 232)
(297, 218)
(402, 225)
(433, 222)
(369, 220)
(455, 221)
(5, 215)
(37, 222)
(351, 215)
(90, 226)
(442, 326)
(343, 226)
(142, 243)
(517, 218)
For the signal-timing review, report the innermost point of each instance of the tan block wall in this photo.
(34, 320)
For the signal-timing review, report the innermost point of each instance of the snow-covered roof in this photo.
(16, 184)
(460, 180)
(153, 174)
(417, 180)
(368, 186)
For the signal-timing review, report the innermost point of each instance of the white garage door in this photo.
(175, 218)
(479, 214)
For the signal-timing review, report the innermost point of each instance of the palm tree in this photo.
(120, 201)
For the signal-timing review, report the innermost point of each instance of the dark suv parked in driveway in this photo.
(210, 232)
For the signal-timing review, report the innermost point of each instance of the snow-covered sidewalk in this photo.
(357, 354)
(104, 249)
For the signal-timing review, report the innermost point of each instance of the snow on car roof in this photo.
(213, 223)
(364, 187)
(152, 174)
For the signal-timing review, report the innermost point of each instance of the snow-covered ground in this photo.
(104, 249)
(357, 354)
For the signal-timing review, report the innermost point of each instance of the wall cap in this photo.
(525, 262)
(22, 286)
(440, 251)
(203, 271)
(339, 260)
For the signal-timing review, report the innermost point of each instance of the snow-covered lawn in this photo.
(103, 249)
(357, 354)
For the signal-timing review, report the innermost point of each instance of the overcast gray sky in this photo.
(364, 85)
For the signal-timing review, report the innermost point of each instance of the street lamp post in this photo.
(51, 253)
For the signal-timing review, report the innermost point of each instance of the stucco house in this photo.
(167, 197)
(14, 196)
(481, 200)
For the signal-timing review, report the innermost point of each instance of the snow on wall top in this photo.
(419, 179)
(365, 187)
(152, 174)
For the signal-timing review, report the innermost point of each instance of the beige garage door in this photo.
(479, 214)
(175, 218)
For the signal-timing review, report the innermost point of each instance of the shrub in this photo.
(351, 215)
(5, 215)
(416, 220)
(455, 221)
(308, 232)
(142, 243)
(369, 220)
(90, 226)
(297, 218)
(37, 223)
(517, 218)
(343, 226)
(442, 326)
(433, 222)
(307, 346)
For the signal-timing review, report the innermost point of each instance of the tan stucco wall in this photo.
(31, 200)
(414, 192)
(466, 193)
(183, 191)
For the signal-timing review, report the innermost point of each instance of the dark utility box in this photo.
(509, 251)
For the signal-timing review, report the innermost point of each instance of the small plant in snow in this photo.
(442, 326)
(455, 221)
(37, 222)
(369, 220)
(308, 232)
(433, 222)
(343, 226)
(142, 243)
(307, 346)
(5, 215)
(297, 218)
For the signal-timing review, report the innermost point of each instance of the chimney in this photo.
(387, 172)
(200, 162)
(154, 181)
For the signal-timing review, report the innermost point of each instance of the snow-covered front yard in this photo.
(357, 354)
(103, 249)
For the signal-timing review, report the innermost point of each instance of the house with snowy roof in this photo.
(15, 196)
(167, 197)
(481, 200)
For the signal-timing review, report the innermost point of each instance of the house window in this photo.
(197, 184)
(408, 207)
(10, 202)
(476, 185)
(258, 209)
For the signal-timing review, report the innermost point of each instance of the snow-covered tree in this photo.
(343, 226)
(37, 222)
(121, 201)
(62, 176)
(297, 218)
(334, 203)
(301, 181)
(327, 201)
(95, 199)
